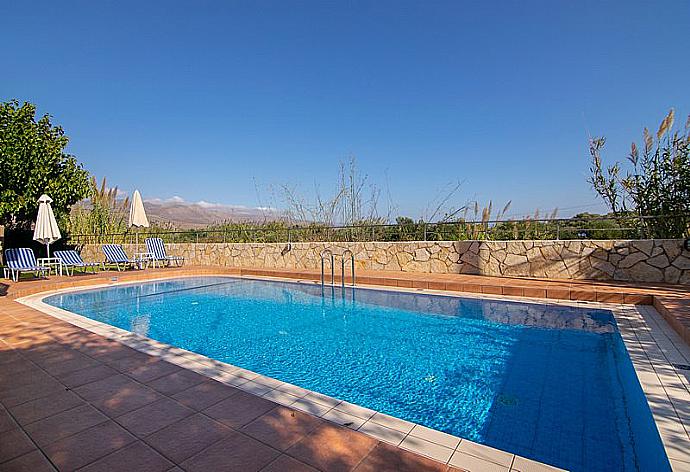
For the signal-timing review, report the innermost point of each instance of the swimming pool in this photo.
(551, 383)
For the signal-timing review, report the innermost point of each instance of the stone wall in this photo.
(643, 260)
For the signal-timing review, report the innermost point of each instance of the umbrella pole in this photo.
(48, 249)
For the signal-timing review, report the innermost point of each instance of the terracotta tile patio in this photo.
(73, 400)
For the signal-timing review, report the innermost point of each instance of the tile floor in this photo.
(81, 395)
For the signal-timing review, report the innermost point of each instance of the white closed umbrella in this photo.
(137, 214)
(46, 230)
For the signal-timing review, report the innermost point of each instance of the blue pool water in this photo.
(550, 383)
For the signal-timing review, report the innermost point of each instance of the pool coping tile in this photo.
(521, 464)
(383, 433)
(355, 410)
(427, 448)
(435, 436)
(313, 408)
(391, 422)
(294, 390)
(472, 463)
(280, 397)
(344, 419)
(486, 453)
(255, 388)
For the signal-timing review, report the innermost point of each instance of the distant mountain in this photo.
(183, 214)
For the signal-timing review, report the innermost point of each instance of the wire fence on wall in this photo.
(637, 227)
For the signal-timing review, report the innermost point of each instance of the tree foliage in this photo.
(33, 161)
(655, 183)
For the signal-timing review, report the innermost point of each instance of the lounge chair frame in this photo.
(156, 247)
(71, 259)
(116, 255)
(21, 260)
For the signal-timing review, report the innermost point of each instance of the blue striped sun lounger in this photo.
(71, 259)
(156, 247)
(115, 254)
(20, 260)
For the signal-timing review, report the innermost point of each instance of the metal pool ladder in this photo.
(342, 266)
(324, 254)
(327, 253)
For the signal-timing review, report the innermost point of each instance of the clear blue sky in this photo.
(201, 99)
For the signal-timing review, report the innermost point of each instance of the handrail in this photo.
(342, 267)
(326, 252)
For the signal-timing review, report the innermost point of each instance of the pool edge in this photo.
(411, 436)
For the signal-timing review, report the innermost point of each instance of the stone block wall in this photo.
(639, 261)
(642, 261)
